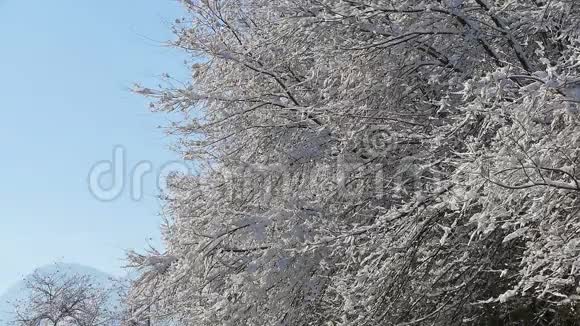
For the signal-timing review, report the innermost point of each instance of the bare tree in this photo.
(58, 299)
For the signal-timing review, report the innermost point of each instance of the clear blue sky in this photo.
(65, 70)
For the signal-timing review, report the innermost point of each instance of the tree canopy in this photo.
(62, 298)
(372, 162)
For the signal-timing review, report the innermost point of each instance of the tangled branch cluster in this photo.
(373, 162)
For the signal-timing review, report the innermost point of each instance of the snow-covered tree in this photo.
(62, 299)
(372, 162)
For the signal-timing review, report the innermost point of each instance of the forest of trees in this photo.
(371, 162)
